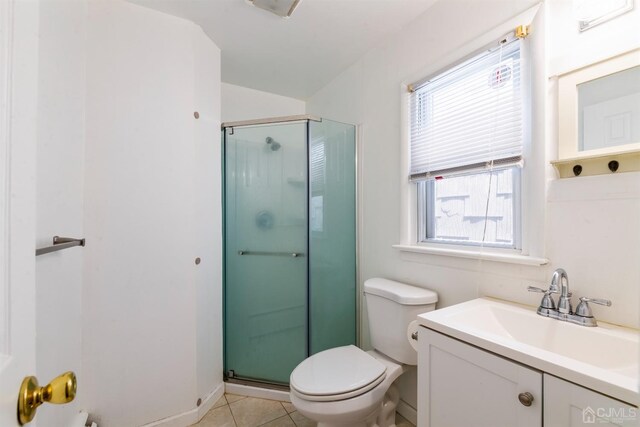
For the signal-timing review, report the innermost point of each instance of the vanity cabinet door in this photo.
(462, 386)
(569, 405)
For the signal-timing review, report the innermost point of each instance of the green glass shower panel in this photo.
(332, 235)
(265, 225)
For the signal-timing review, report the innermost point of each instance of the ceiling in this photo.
(293, 57)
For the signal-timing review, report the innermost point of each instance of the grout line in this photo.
(275, 419)
(237, 400)
(235, 424)
(288, 414)
(286, 410)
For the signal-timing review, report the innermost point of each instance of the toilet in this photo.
(347, 386)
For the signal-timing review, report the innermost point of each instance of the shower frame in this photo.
(359, 297)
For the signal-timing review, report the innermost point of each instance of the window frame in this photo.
(426, 214)
(419, 221)
(535, 176)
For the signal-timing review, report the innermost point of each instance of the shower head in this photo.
(275, 146)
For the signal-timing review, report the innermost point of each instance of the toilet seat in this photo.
(337, 374)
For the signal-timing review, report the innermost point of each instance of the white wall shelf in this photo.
(598, 164)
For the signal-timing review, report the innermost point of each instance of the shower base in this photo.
(257, 389)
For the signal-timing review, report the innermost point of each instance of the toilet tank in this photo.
(391, 306)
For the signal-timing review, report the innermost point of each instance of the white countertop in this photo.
(605, 359)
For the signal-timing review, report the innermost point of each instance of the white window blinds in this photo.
(317, 164)
(469, 117)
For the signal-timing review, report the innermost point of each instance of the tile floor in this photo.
(241, 411)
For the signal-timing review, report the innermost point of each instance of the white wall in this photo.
(152, 318)
(369, 94)
(123, 162)
(242, 103)
(60, 198)
(573, 49)
(208, 214)
(593, 223)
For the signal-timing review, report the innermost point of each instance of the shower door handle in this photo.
(269, 253)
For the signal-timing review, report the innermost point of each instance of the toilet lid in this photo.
(337, 371)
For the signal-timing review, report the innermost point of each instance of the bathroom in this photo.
(111, 132)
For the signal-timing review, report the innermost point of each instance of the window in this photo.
(467, 136)
(317, 175)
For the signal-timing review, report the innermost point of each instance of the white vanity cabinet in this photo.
(569, 405)
(462, 386)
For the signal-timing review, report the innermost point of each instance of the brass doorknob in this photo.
(61, 390)
(525, 398)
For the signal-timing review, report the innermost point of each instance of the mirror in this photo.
(609, 110)
(599, 108)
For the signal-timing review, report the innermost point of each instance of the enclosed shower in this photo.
(289, 244)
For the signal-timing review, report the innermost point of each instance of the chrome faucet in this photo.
(564, 303)
(583, 315)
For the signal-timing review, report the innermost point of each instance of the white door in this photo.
(569, 405)
(18, 110)
(462, 386)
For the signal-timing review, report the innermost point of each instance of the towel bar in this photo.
(60, 243)
(291, 254)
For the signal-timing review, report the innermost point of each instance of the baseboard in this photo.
(209, 401)
(262, 393)
(193, 415)
(80, 420)
(408, 412)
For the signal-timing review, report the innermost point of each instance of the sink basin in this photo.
(605, 358)
(604, 347)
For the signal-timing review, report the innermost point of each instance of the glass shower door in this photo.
(332, 235)
(266, 251)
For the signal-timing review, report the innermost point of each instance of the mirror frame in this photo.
(568, 144)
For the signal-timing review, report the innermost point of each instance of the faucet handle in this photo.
(596, 301)
(547, 301)
(540, 290)
(583, 308)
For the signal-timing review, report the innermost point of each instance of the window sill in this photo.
(474, 254)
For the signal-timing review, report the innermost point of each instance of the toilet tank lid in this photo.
(399, 292)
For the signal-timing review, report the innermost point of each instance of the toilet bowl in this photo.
(355, 399)
(346, 386)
